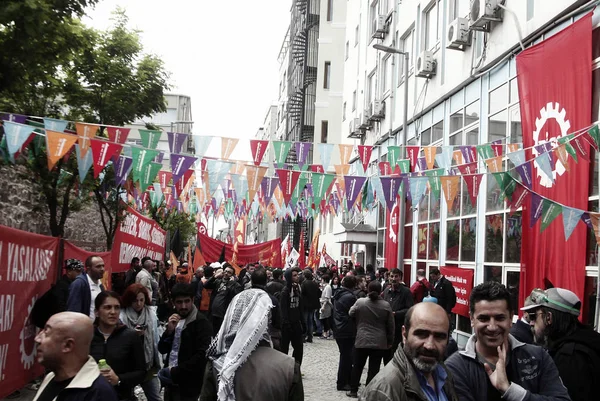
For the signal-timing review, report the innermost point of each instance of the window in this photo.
(385, 74)
(374, 15)
(329, 10)
(327, 77)
(370, 89)
(353, 100)
(384, 7)
(356, 34)
(456, 9)
(406, 44)
(432, 25)
(324, 129)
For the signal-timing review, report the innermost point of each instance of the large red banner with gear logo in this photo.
(555, 91)
(392, 220)
(28, 264)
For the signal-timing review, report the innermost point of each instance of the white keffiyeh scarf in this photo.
(245, 324)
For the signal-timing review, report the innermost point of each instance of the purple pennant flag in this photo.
(15, 118)
(174, 192)
(268, 186)
(159, 157)
(122, 168)
(525, 172)
(587, 220)
(353, 185)
(179, 206)
(213, 203)
(422, 163)
(302, 149)
(536, 208)
(176, 141)
(467, 155)
(303, 210)
(180, 164)
(391, 186)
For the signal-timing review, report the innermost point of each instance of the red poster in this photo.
(73, 252)
(136, 236)
(267, 253)
(27, 269)
(392, 219)
(462, 280)
(555, 94)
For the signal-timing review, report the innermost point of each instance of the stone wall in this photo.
(22, 206)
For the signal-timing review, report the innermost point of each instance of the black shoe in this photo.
(309, 340)
(344, 388)
(352, 394)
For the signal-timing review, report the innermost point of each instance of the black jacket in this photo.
(400, 301)
(522, 332)
(124, 353)
(311, 294)
(223, 293)
(445, 294)
(577, 358)
(291, 309)
(191, 359)
(344, 325)
(275, 287)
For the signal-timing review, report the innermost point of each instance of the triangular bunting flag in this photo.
(518, 198)
(451, 187)
(117, 134)
(550, 211)
(58, 144)
(254, 176)
(434, 181)
(429, 152)
(571, 218)
(325, 151)
(103, 152)
(281, 149)
(141, 157)
(164, 179)
(258, 148)
(85, 132)
(418, 187)
(302, 150)
(353, 186)
(201, 144)
(345, 153)
(16, 135)
(525, 171)
(122, 168)
(180, 164)
(391, 188)
(537, 207)
(413, 156)
(287, 182)
(54, 124)
(227, 147)
(494, 164)
(84, 162)
(150, 138)
(473, 183)
(364, 153)
(268, 186)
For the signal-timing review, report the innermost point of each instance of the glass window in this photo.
(593, 188)
(422, 241)
(498, 98)
(513, 238)
(467, 243)
(434, 214)
(514, 91)
(347, 49)
(407, 242)
(384, 75)
(456, 121)
(472, 137)
(516, 133)
(452, 239)
(432, 31)
(492, 273)
(472, 113)
(497, 126)
(380, 242)
(434, 240)
(437, 132)
(494, 201)
(426, 137)
(494, 225)
(456, 139)
(592, 245)
(424, 207)
(382, 216)
(327, 76)
(329, 10)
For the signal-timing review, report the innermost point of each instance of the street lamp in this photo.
(400, 141)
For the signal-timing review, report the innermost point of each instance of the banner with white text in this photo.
(136, 236)
(462, 281)
(28, 269)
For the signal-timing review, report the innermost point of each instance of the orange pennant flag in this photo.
(255, 176)
(595, 218)
(85, 132)
(58, 144)
(561, 154)
(345, 153)
(458, 157)
(512, 147)
(430, 152)
(227, 147)
(494, 164)
(450, 186)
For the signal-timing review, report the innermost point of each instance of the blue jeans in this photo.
(151, 389)
(309, 315)
(318, 324)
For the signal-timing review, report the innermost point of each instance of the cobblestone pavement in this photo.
(319, 371)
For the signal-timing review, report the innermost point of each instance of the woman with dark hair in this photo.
(326, 311)
(119, 345)
(139, 316)
(374, 334)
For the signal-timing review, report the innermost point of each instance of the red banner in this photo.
(267, 253)
(392, 221)
(462, 280)
(555, 93)
(73, 252)
(27, 269)
(136, 236)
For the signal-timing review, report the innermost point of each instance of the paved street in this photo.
(319, 369)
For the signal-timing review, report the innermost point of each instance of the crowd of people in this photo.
(222, 334)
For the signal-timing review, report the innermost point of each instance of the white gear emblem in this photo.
(28, 359)
(559, 115)
(393, 225)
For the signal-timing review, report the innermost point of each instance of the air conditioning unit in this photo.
(381, 27)
(377, 110)
(425, 65)
(482, 13)
(355, 131)
(459, 35)
(365, 123)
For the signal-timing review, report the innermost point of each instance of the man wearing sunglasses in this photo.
(575, 348)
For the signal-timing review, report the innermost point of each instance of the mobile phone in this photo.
(141, 326)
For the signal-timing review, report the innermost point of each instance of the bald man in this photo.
(62, 348)
(416, 371)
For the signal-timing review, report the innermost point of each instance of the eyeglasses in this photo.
(534, 315)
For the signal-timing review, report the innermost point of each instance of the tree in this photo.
(170, 220)
(112, 82)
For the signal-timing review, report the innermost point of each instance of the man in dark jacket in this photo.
(62, 348)
(185, 342)
(575, 348)
(443, 290)
(494, 365)
(275, 286)
(259, 280)
(522, 330)
(292, 324)
(344, 330)
(224, 289)
(311, 293)
(400, 299)
(86, 287)
(416, 372)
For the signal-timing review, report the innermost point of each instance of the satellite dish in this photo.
(475, 9)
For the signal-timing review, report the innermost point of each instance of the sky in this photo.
(221, 53)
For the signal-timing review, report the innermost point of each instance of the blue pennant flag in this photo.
(570, 219)
(83, 164)
(16, 135)
(418, 186)
(54, 124)
(325, 150)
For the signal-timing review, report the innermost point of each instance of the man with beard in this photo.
(86, 287)
(224, 289)
(292, 324)
(185, 340)
(416, 371)
(494, 365)
(400, 299)
(62, 348)
(575, 348)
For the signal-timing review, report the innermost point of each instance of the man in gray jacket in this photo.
(416, 372)
(496, 366)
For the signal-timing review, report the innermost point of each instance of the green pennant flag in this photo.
(150, 138)
(297, 192)
(149, 174)
(153, 198)
(393, 155)
(550, 211)
(141, 157)
(321, 183)
(193, 207)
(566, 140)
(595, 134)
(228, 209)
(506, 183)
(485, 151)
(435, 184)
(282, 148)
(404, 165)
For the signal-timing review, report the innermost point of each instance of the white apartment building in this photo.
(462, 90)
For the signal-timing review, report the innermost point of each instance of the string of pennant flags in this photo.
(297, 192)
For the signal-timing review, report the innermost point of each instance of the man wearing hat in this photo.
(574, 347)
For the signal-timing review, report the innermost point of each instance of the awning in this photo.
(356, 234)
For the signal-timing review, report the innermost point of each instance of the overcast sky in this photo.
(221, 53)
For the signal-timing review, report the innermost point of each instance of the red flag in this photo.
(258, 148)
(302, 252)
(288, 180)
(413, 155)
(392, 217)
(102, 152)
(364, 152)
(117, 134)
(555, 93)
(384, 168)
